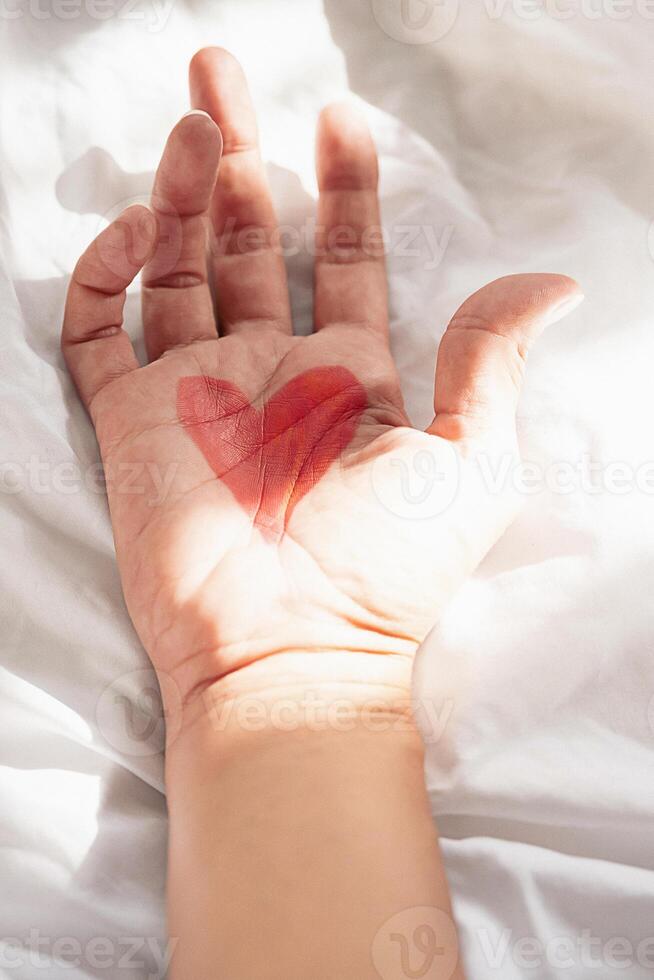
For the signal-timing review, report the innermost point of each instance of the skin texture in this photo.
(269, 550)
(292, 440)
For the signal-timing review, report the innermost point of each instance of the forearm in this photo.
(296, 839)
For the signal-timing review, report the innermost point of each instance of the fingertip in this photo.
(119, 252)
(198, 132)
(341, 113)
(196, 112)
(524, 303)
(209, 57)
(567, 296)
(208, 66)
(343, 123)
(188, 170)
(201, 62)
(345, 150)
(138, 217)
(545, 296)
(219, 87)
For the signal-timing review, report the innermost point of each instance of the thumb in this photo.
(482, 356)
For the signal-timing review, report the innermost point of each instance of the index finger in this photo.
(177, 303)
(248, 267)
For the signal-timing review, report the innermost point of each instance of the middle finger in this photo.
(249, 272)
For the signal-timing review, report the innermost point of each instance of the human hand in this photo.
(280, 540)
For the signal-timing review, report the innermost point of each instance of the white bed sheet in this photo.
(521, 139)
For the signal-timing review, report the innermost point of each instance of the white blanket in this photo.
(519, 138)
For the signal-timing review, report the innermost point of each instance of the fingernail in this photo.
(567, 306)
(196, 112)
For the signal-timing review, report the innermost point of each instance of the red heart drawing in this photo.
(271, 457)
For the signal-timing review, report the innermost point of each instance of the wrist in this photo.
(315, 810)
(294, 692)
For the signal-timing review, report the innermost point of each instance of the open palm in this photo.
(259, 482)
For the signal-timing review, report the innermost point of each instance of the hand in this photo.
(271, 529)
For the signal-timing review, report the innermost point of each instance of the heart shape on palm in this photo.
(271, 457)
